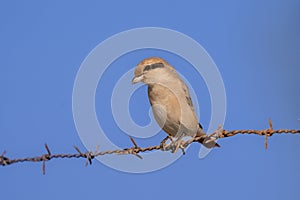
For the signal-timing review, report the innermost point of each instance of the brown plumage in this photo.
(170, 98)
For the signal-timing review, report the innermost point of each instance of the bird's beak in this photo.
(137, 79)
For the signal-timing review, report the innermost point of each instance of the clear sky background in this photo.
(255, 44)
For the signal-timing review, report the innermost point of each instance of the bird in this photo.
(170, 100)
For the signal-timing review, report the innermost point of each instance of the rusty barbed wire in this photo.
(135, 150)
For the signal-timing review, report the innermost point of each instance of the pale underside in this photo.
(173, 109)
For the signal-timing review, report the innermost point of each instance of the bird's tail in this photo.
(205, 142)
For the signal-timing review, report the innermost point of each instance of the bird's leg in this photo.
(163, 144)
(173, 145)
(178, 144)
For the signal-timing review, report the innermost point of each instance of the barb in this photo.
(135, 150)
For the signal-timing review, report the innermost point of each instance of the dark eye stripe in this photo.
(147, 68)
(157, 65)
(153, 66)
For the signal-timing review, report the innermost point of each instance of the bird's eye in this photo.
(147, 68)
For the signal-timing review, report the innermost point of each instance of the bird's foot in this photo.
(179, 144)
(173, 146)
(163, 145)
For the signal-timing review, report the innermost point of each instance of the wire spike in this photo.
(44, 167)
(270, 124)
(77, 149)
(3, 153)
(133, 142)
(47, 149)
(139, 156)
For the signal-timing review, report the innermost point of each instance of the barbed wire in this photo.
(135, 150)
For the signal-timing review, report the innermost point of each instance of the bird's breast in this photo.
(165, 108)
(170, 109)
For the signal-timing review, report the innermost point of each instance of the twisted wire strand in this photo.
(135, 150)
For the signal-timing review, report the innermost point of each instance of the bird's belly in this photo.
(174, 118)
(160, 114)
(164, 120)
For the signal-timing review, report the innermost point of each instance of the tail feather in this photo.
(212, 144)
(217, 145)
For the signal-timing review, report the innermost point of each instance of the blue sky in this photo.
(255, 45)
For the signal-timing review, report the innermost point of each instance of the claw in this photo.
(178, 145)
(173, 146)
(163, 144)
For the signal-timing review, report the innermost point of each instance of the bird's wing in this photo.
(188, 98)
(187, 95)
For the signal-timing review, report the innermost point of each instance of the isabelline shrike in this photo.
(170, 99)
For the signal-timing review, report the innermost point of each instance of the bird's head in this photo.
(151, 70)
